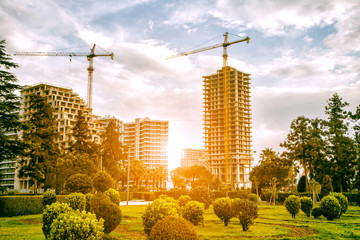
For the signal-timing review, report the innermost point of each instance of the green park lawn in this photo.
(273, 223)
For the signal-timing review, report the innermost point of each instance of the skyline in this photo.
(298, 56)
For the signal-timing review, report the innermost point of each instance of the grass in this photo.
(273, 223)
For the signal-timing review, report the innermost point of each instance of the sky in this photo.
(299, 55)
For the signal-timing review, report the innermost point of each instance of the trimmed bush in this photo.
(242, 194)
(51, 212)
(342, 200)
(222, 209)
(183, 200)
(193, 211)
(76, 201)
(113, 195)
(330, 207)
(316, 212)
(156, 211)
(48, 198)
(150, 196)
(88, 197)
(253, 198)
(306, 205)
(11, 206)
(245, 210)
(101, 205)
(293, 204)
(78, 183)
(173, 227)
(102, 181)
(326, 186)
(77, 226)
(201, 194)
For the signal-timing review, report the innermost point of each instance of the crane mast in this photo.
(225, 84)
(90, 58)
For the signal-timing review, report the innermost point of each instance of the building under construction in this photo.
(227, 140)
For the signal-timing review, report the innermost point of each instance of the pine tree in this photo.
(41, 151)
(9, 107)
(82, 139)
(342, 150)
(326, 186)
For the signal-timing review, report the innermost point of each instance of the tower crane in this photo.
(225, 82)
(90, 57)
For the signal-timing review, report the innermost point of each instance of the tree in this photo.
(138, 171)
(41, 152)
(192, 176)
(301, 187)
(10, 145)
(82, 143)
(159, 176)
(326, 186)
(342, 150)
(112, 151)
(271, 166)
(355, 118)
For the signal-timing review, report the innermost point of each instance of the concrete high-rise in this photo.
(191, 157)
(235, 129)
(148, 141)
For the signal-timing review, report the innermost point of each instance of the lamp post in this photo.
(128, 177)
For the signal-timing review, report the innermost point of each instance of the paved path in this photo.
(135, 202)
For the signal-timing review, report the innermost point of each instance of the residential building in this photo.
(191, 157)
(148, 142)
(227, 140)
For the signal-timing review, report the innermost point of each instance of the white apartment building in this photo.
(191, 157)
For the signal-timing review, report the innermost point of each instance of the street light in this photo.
(128, 177)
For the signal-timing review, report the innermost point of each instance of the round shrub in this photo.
(173, 227)
(293, 204)
(343, 200)
(88, 197)
(78, 183)
(113, 195)
(50, 213)
(156, 211)
(330, 207)
(77, 226)
(306, 205)
(253, 197)
(48, 198)
(101, 205)
(102, 181)
(201, 194)
(316, 212)
(223, 210)
(76, 201)
(193, 211)
(183, 200)
(245, 210)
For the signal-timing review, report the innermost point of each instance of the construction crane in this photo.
(90, 57)
(225, 82)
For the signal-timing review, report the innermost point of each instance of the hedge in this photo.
(149, 196)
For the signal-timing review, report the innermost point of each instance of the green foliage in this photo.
(156, 211)
(150, 196)
(223, 210)
(102, 181)
(316, 212)
(306, 205)
(201, 194)
(301, 187)
(171, 228)
(50, 213)
(342, 200)
(48, 198)
(88, 197)
(78, 183)
(11, 206)
(358, 199)
(330, 207)
(245, 210)
(253, 198)
(76, 201)
(193, 211)
(113, 195)
(77, 226)
(183, 200)
(293, 204)
(326, 186)
(10, 145)
(102, 206)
